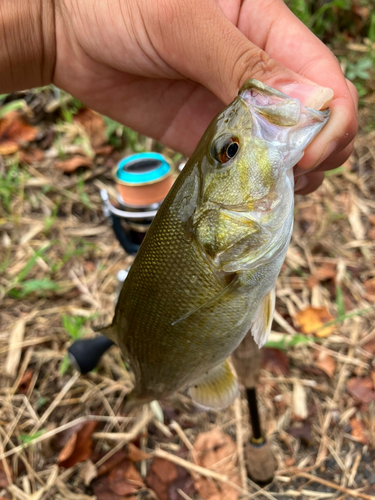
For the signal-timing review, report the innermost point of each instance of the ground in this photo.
(64, 435)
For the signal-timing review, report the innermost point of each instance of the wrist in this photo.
(27, 54)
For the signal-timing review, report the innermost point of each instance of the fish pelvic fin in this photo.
(109, 331)
(216, 389)
(261, 327)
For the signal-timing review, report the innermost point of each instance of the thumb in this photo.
(203, 45)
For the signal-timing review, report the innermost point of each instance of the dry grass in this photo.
(55, 227)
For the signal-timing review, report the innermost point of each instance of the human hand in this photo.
(166, 67)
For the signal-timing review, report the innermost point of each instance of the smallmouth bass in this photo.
(206, 271)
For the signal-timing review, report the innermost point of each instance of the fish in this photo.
(206, 271)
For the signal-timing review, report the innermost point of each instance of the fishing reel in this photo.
(143, 181)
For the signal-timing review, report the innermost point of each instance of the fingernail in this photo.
(327, 152)
(312, 96)
(301, 183)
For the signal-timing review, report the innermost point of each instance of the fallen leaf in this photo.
(326, 363)
(94, 126)
(361, 389)
(326, 271)
(79, 446)
(4, 474)
(31, 156)
(160, 476)
(13, 132)
(164, 478)
(312, 319)
(275, 361)
(358, 430)
(25, 381)
(124, 479)
(135, 454)
(68, 166)
(301, 432)
(113, 460)
(216, 451)
(102, 491)
(370, 288)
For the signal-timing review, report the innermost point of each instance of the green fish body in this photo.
(206, 271)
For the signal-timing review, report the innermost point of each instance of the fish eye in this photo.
(225, 149)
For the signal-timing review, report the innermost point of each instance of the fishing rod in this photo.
(143, 181)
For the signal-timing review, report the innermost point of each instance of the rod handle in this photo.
(85, 354)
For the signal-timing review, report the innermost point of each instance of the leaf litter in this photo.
(316, 389)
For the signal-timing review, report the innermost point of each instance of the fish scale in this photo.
(206, 271)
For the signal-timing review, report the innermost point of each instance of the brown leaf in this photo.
(326, 271)
(217, 451)
(25, 381)
(68, 166)
(361, 389)
(301, 432)
(4, 474)
(102, 490)
(160, 476)
(13, 132)
(275, 361)
(114, 460)
(31, 156)
(94, 126)
(79, 446)
(370, 288)
(326, 363)
(124, 479)
(358, 430)
(312, 319)
(135, 454)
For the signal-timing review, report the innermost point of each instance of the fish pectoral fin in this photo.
(109, 331)
(261, 327)
(217, 389)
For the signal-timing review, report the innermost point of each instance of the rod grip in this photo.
(247, 361)
(85, 354)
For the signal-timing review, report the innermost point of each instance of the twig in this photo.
(335, 486)
(208, 473)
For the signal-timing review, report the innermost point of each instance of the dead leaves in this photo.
(326, 363)
(216, 451)
(165, 478)
(312, 319)
(79, 446)
(70, 165)
(358, 431)
(94, 126)
(275, 361)
(14, 131)
(362, 389)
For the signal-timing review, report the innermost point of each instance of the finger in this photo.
(309, 182)
(214, 53)
(275, 28)
(335, 161)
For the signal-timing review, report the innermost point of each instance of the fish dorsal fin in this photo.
(216, 389)
(261, 327)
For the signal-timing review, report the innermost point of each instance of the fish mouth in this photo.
(281, 120)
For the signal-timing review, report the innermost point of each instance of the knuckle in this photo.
(253, 63)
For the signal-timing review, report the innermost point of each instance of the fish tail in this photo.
(109, 331)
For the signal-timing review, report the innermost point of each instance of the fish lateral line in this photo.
(190, 313)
